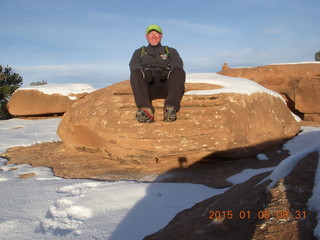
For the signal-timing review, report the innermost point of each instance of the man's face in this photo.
(154, 38)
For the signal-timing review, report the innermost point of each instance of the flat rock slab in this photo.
(96, 164)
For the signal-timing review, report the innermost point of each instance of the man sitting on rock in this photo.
(156, 73)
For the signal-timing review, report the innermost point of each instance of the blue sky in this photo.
(77, 41)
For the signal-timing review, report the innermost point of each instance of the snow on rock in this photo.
(308, 137)
(306, 142)
(62, 89)
(247, 174)
(295, 63)
(298, 83)
(287, 165)
(229, 85)
(262, 157)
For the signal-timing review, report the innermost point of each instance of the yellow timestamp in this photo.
(283, 214)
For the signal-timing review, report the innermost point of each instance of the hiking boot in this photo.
(170, 114)
(145, 115)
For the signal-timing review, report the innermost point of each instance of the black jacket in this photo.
(155, 56)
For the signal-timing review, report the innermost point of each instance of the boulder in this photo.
(300, 83)
(46, 99)
(307, 98)
(217, 120)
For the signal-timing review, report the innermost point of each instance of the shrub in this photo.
(317, 56)
(9, 82)
(38, 83)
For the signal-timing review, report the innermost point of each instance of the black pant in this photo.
(147, 87)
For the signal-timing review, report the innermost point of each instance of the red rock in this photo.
(299, 82)
(225, 67)
(307, 96)
(221, 125)
(34, 101)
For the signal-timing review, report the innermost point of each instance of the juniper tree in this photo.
(9, 82)
(317, 56)
(39, 83)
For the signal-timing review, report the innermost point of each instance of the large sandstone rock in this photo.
(307, 98)
(46, 99)
(209, 125)
(300, 83)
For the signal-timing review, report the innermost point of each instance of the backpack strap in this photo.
(166, 48)
(144, 51)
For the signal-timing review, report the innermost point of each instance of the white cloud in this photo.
(207, 29)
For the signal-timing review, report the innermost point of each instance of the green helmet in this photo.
(153, 28)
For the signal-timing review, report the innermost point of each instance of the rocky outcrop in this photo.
(46, 99)
(225, 67)
(249, 211)
(220, 125)
(299, 83)
(307, 98)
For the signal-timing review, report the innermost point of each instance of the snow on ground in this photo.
(48, 207)
(17, 132)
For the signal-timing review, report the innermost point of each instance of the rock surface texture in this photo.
(299, 83)
(216, 122)
(249, 211)
(46, 99)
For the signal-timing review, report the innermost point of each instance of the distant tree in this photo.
(317, 56)
(38, 83)
(9, 82)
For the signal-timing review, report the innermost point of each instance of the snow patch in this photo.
(306, 142)
(229, 85)
(308, 137)
(262, 157)
(247, 174)
(20, 132)
(62, 89)
(287, 165)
